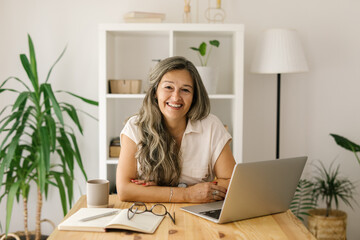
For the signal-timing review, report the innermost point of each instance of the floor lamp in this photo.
(279, 51)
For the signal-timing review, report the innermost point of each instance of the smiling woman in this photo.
(174, 142)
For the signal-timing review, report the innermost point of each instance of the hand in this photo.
(206, 192)
(142, 182)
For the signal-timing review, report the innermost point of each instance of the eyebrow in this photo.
(186, 85)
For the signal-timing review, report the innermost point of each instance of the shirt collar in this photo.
(193, 126)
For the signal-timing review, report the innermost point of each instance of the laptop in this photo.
(255, 189)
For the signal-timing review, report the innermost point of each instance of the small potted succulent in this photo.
(208, 74)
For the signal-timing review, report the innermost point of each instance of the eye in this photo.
(168, 87)
(186, 90)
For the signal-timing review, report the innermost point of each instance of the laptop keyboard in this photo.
(212, 213)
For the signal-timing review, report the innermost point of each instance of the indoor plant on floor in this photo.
(332, 188)
(208, 74)
(38, 145)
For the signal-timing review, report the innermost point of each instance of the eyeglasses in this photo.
(157, 209)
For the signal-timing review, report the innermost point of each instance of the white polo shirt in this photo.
(201, 146)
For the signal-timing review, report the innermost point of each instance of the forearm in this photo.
(133, 192)
(224, 182)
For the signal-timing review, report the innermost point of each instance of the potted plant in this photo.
(330, 187)
(38, 145)
(347, 144)
(208, 74)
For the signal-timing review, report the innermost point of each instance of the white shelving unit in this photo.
(127, 51)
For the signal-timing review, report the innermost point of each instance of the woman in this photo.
(173, 149)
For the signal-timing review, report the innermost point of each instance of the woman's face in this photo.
(175, 94)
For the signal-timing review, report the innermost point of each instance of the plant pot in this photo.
(21, 236)
(327, 228)
(209, 76)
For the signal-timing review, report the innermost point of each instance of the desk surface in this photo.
(278, 226)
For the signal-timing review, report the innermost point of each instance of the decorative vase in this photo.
(332, 227)
(209, 76)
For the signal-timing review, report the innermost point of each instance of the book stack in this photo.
(143, 17)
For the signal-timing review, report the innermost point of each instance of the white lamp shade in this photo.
(279, 51)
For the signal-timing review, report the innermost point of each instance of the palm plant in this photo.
(303, 201)
(201, 51)
(37, 145)
(347, 144)
(330, 187)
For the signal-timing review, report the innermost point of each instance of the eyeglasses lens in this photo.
(159, 210)
(138, 208)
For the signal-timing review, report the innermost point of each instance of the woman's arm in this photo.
(224, 166)
(128, 191)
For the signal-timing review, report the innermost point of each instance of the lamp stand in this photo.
(278, 117)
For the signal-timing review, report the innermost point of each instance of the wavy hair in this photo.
(158, 154)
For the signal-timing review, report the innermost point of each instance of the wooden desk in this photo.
(277, 226)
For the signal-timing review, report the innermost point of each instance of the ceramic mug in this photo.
(97, 191)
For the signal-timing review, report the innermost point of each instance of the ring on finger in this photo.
(215, 192)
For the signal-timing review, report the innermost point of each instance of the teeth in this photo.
(174, 105)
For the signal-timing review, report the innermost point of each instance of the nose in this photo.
(176, 94)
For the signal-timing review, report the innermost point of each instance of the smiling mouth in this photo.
(174, 105)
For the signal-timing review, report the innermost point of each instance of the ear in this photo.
(155, 97)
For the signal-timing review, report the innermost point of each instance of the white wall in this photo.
(314, 104)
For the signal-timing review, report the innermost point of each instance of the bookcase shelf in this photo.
(129, 51)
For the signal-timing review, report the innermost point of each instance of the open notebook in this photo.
(145, 222)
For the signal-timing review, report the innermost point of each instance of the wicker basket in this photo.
(125, 86)
(327, 228)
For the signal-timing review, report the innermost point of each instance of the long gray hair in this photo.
(158, 154)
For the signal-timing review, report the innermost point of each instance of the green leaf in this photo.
(68, 180)
(9, 204)
(71, 111)
(48, 92)
(44, 165)
(215, 43)
(8, 157)
(61, 188)
(20, 100)
(33, 60)
(78, 155)
(66, 149)
(51, 126)
(195, 49)
(27, 67)
(57, 60)
(14, 116)
(346, 143)
(13, 78)
(202, 49)
(89, 101)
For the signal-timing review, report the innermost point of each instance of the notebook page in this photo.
(73, 222)
(146, 222)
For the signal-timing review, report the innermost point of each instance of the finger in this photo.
(149, 184)
(219, 188)
(218, 193)
(139, 182)
(216, 198)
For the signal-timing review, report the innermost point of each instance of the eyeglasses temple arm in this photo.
(172, 218)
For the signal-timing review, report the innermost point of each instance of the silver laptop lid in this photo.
(261, 188)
